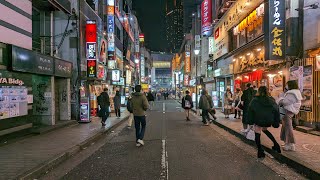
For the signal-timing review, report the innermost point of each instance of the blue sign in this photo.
(110, 24)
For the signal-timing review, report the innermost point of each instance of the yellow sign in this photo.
(145, 86)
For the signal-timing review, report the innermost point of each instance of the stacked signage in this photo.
(142, 64)
(91, 43)
(110, 27)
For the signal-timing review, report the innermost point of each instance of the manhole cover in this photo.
(312, 147)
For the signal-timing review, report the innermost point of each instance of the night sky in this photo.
(151, 17)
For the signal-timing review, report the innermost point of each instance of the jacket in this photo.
(291, 101)
(103, 100)
(247, 96)
(150, 97)
(188, 98)
(264, 112)
(139, 104)
(205, 102)
(117, 102)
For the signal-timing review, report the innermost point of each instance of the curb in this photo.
(300, 168)
(55, 161)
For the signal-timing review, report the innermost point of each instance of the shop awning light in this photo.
(248, 54)
(259, 49)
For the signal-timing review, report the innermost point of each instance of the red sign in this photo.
(91, 31)
(92, 68)
(206, 17)
(216, 33)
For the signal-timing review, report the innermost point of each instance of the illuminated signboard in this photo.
(91, 68)
(186, 80)
(141, 37)
(187, 63)
(206, 17)
(91, 43)
(110, 24)
(275, 41)
(116, 75)
(101, 72)
(211, 45)
(142, 64)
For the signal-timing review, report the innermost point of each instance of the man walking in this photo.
(104, 104)
(206, 104)
(139, 106)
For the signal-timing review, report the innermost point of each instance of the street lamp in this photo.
(196, 52)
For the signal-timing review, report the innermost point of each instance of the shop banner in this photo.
(91, 31)
(206, 17)
(275, 36)
(142, 64)
(296, 73)
(211, 45)
(306, 103)
(62, 68)
(276, 85)
(187, 63)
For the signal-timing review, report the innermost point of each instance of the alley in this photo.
(174, 149)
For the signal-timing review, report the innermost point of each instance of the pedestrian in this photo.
(291, 103)
(139, 106)
(150, 98)
(206, 105)
(104, 106)
(227, 102)
(187, 104)
(246, 98)
(117, 104)
(237, 100)
(129, 108)
(263, 112)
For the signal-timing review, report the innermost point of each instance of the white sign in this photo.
(211, 45)
(111, 64)
(197, 42)
(116, 75)
(110, 2)
(128, 77)
(142, 67)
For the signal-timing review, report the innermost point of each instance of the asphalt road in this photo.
(174, 149)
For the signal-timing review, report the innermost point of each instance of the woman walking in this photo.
(227, 103)
(291, 103)
(237, 99)
(187, 104)
(263, 112)
(117, 103)
(150, 98)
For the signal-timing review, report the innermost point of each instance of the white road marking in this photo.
(164, 107)
(164, 162)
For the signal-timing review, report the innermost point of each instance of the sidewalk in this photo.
(306, 158)
(29, 157)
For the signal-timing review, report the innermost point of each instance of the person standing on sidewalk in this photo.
(227, 103)
(237, 99)
(187, 104)
(139, 106)
(104, 105)
(206, 105)
(263, 112)
(291, 103)
(150, 98)
(117, 104)
(246, 98)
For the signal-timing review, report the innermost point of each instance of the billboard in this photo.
(206, 17)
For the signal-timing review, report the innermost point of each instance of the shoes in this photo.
(276, 148)
(289, 147)
(129, 127)
(140, 142)
(188, 119)
(210, 121)
(206, 124)
(103, 124)
(261, 154)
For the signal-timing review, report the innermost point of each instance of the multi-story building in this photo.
(189, 8)
(174, 24)
(161, 74)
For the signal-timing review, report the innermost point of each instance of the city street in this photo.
(174, 149)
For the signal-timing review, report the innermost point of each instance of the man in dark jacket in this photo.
(187, 104)
(246, 98)
(206, 104)
(139, 106)
(104, 104)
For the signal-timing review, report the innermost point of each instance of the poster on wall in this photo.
(296, 73)
(306, 103)
(102, 52)
(276, 85)
(84, 112)
(116, 75)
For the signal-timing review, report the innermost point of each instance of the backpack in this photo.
(129, 106)
(187, 103)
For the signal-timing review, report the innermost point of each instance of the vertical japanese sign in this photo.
(110, 28)
(274, 19)
(186, 80)
(142, 71)
(211, 45)
(91, 43)
(197, 42)
(187, 63)
(206, 17)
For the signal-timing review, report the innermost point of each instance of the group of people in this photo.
(259, 112)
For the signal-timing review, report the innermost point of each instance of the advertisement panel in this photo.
(187, 63)
(296, 73)
(110, 24)
(91, 31)
(91, 43)
(116, 75)
(206, 17)
(211, 45)
(275, 36)
(142, 64)
(306, 103)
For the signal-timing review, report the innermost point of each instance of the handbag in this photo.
(250, 135)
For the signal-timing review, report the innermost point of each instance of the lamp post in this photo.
(196, 52)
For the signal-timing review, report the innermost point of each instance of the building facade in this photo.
(174, 24)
